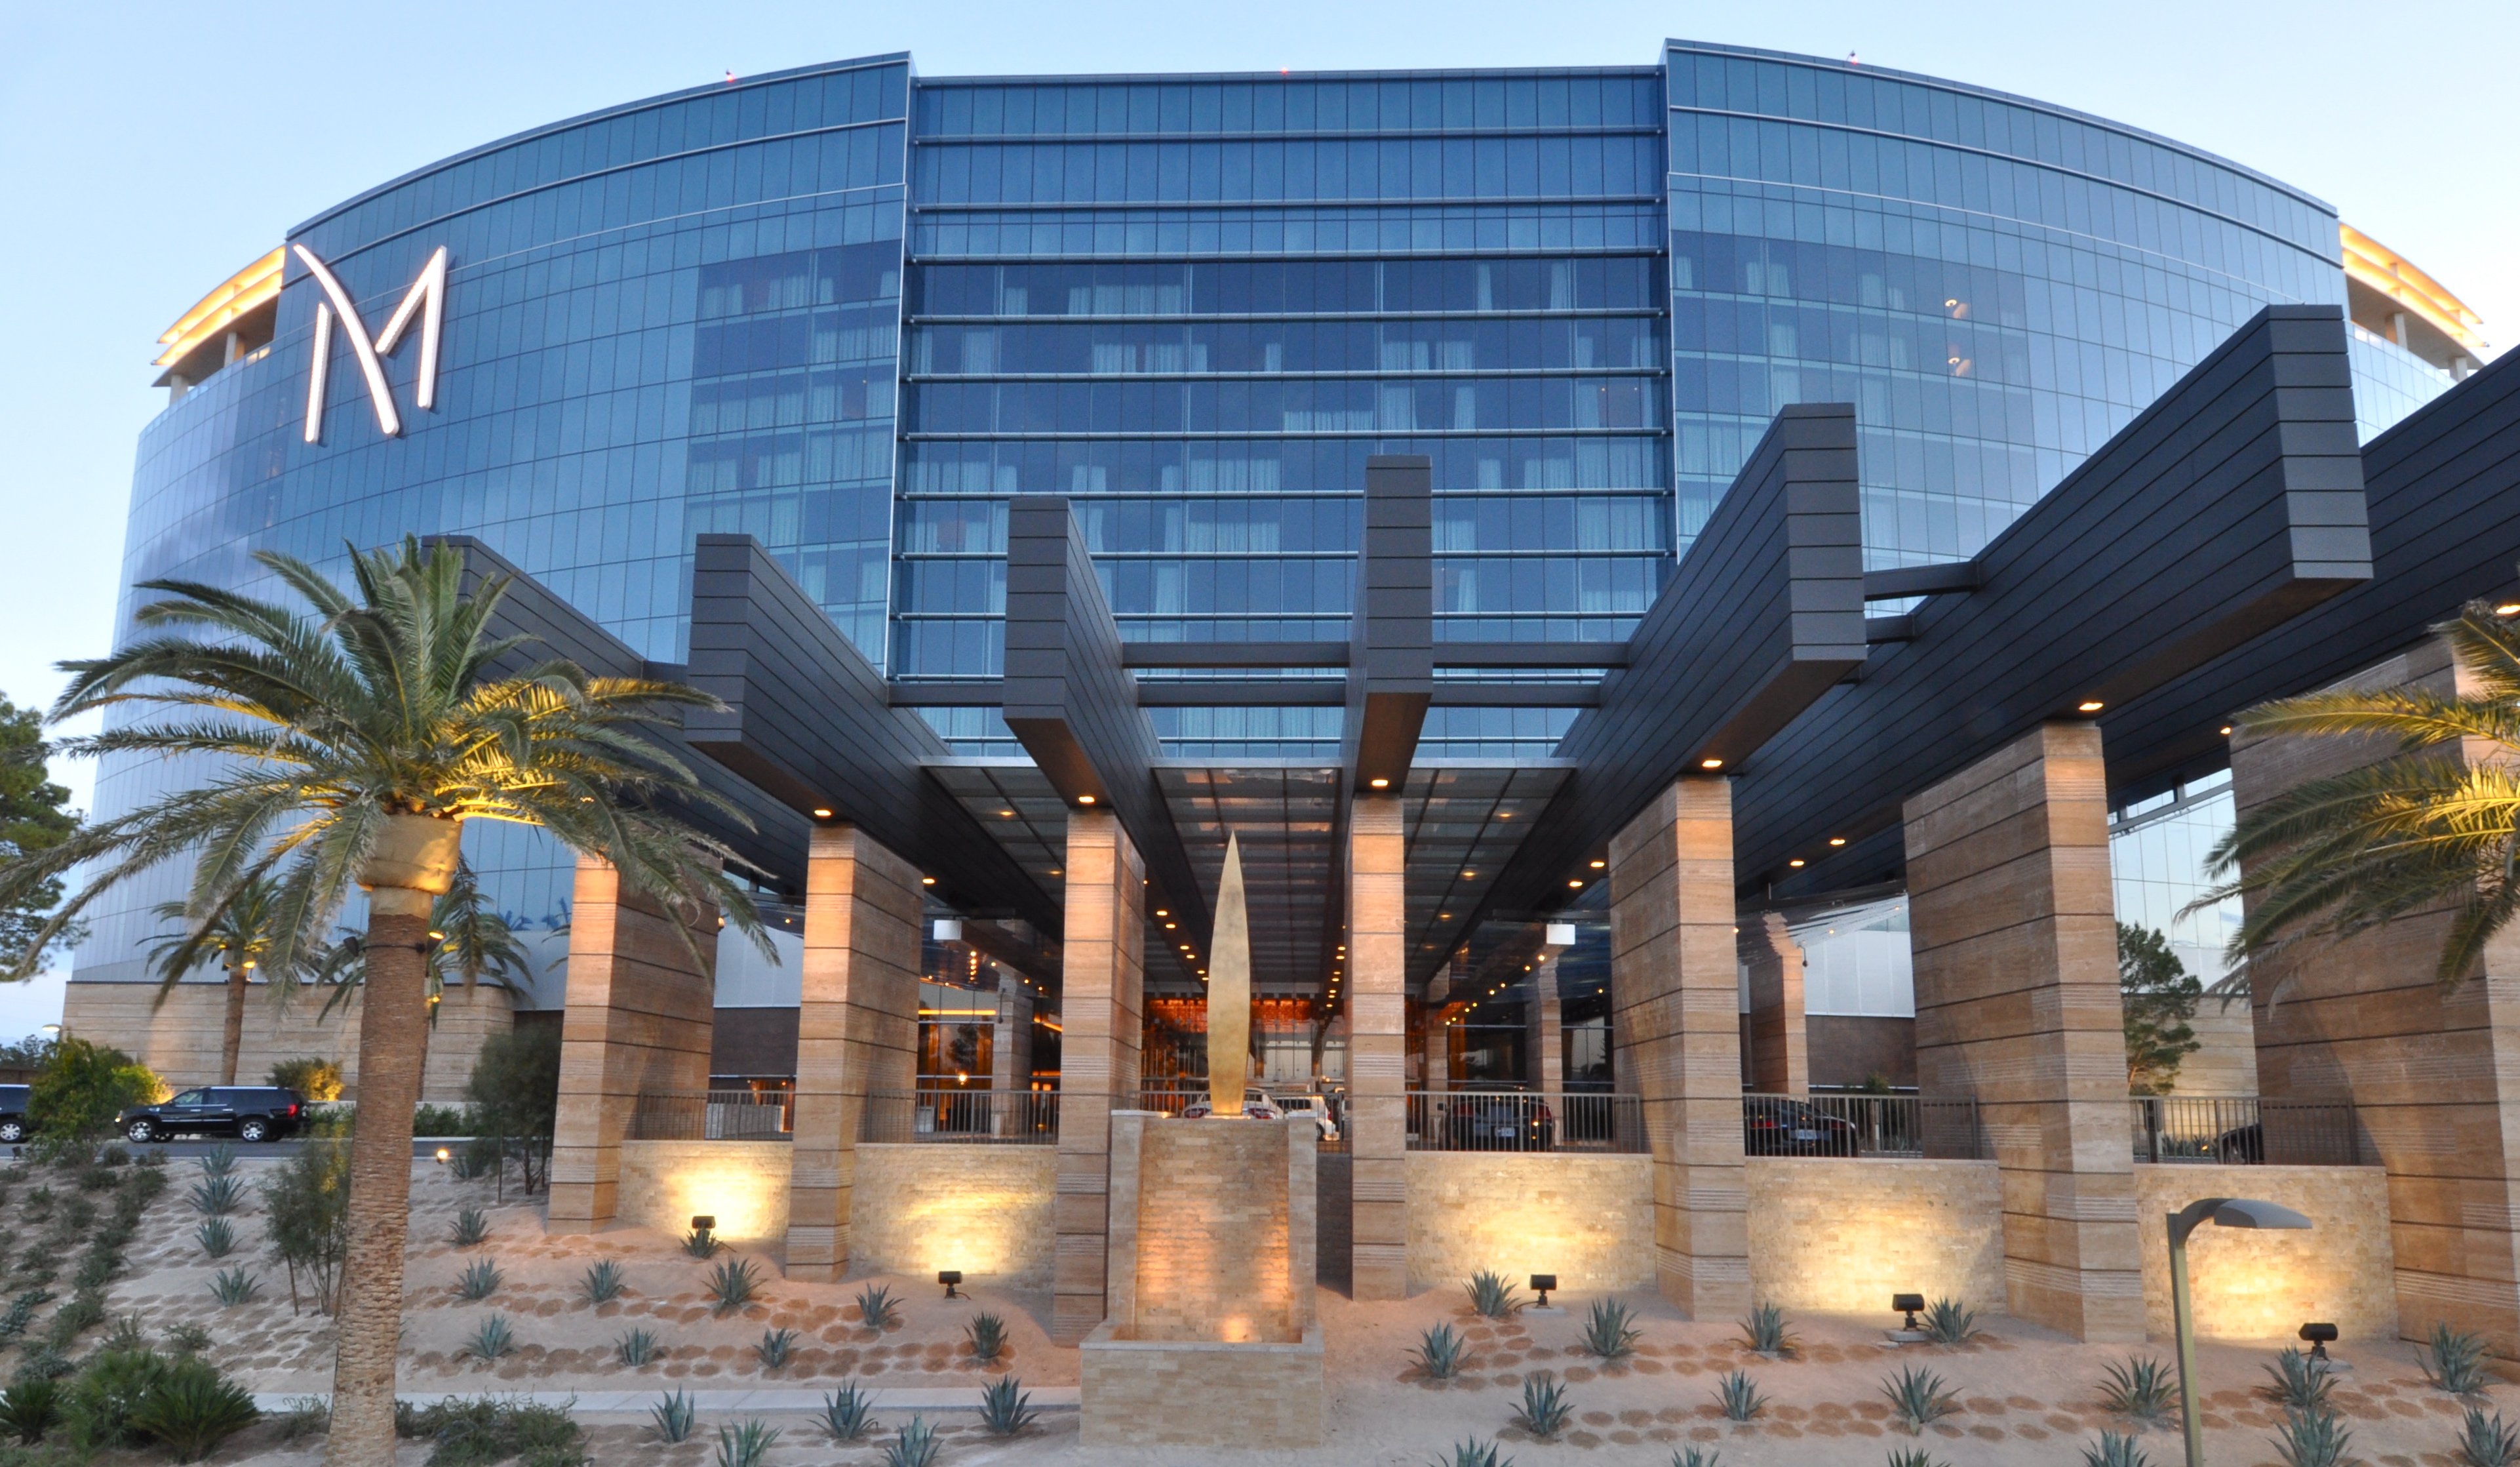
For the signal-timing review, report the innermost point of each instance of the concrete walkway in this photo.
(637, 1402)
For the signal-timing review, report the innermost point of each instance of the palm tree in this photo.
(238, 940)
(2432, 826)
(468, 939)
(356, 741)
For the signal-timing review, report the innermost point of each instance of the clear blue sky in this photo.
(149, 150)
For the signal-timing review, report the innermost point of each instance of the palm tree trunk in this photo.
(368, 1330)
(232, 1038)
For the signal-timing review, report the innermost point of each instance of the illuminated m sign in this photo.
(425, 300)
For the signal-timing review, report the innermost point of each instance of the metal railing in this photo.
(993, 1118)
(2246, 1130)
(711, 1115)
(1907, 1127)
(1530, 1121)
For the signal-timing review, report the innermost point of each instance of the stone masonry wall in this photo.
(180, 1037)
(1842, 1235)
(1151, 1393)
(1213, 1255)
(1589, 1220)
(984, 1210)
(2251, 1285)
(742, 1184)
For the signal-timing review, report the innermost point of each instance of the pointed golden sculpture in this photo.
(1228, 992)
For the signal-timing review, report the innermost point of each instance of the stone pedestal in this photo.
(1780, 1042)
(1102, 987)
(1675, 1022)
(1378, 1050)
(2015, 931)
(2434, 1074)
(857, 1029)
(1211, 1339)
(638, 1020)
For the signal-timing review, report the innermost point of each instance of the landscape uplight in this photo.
(2318, 1337)
(1540, 1284)
(1908, 1304)
(2226, 1212)
(949, 1277)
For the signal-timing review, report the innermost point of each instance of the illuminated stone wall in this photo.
(1842, 1235)
(1214, 1229)
(1589, 1220)
(2250, 1285)
(742, 1184)
(180, 1039)
(985, 1209)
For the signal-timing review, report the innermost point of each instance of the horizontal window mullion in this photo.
(1455, 374)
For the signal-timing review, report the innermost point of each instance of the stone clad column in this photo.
(1544, 1037)
(638, 1020)
(857, 1031)
(2434, 1076)
(1103, 983)
(1675, 991)
(1779, 1040)
(2014, 931)
(1378, 1050)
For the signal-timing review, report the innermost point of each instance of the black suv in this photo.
(13, 1114)
(255, 1113)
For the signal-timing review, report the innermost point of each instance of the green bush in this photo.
(191, 1408)
(442, 1121)
(81, 1088)
(28, 1409)
(315, 1078)
(97, 1408)
(480, 1431)
(307, 1204)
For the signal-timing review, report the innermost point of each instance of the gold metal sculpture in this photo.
(1228, 992)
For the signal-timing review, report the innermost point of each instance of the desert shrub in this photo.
(28, 1409)
(191, 1408)
(307, 1416)
(488, 1430)
(98, 1405)
(81, 1088)
(306, 1203)
(315, 1078)
(514, 1091)
(188, 1338)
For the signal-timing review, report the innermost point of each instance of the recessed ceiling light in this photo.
(2226, 730)
(1597, 865)
(1837, 840)
(2089, 706)
(927, 881)
(1084, 799)
(1574, 883)
(1379, 784)
(2508, 609)
(1797, 861)
(822, 814)
(1710, 763)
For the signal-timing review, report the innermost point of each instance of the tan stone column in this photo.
(1103, 986)
(1779, 1040)
(1544, 1045)
(2434, 1076)
(1378, 1050)
(1010, 1047)
(857, 1031)
(638, 1020)
(1434, 1036)
(1674, 991)
(2015, 931)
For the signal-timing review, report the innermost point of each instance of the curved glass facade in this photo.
(850, 311)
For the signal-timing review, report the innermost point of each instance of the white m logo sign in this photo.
(426, 299)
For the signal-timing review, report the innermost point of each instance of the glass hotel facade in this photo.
(850, 311)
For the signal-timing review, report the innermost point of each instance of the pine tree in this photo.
(2159, 996)
(32, 820)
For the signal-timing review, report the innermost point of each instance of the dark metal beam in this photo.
(1762, 615)
(2231, 505)
(1904, 581)
(1518, 695)
(1185, 692)
(1233, 653)
(1531, 655)
(987, 692)
(809, 722)
(1392, 670)
(1074, 705)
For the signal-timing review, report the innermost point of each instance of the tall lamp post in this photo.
(2226, 1212)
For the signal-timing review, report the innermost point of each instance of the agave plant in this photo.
(2488, 1443)
(1440, 1351)
(1695, 1456)
(2142, 1389)
(1611, 1331)
(233, 1286)
(915, 1447)
(1765, 1333)
(674, 1416)
(604, 1282)
(2454, 1362)
(1919, 1398)
(733, 1284)
(218, 1161)
(478, 1281)
(2299, 1383)
(746, 1445)
(217, 1196)
(1545, 1407)
(774, 1347)
(493, 1340)
(636, 1347)
(2115, 1450)
(1948, 1322)
(1004, 1407)
(849, 1413)
(1739, 1396)
(470, 1227)
(2313, 1439)
(701, 1242)
(1474, 1454)
(1491, 1296)
(985, 1338)
(216, 1237)
(877, 1308)
(1912, 1457)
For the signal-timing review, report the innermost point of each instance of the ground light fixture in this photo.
(1542, 1284)
(2318, 1337)
(1908, 1304)
(2226, 1212)
(442, 1156)
(949, 1277)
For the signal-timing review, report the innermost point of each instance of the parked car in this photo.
(1256, 1105)
(13, 1114)
(1317, 1105)
(249, 1113)
(1775, 1127)
(1496, 1116)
